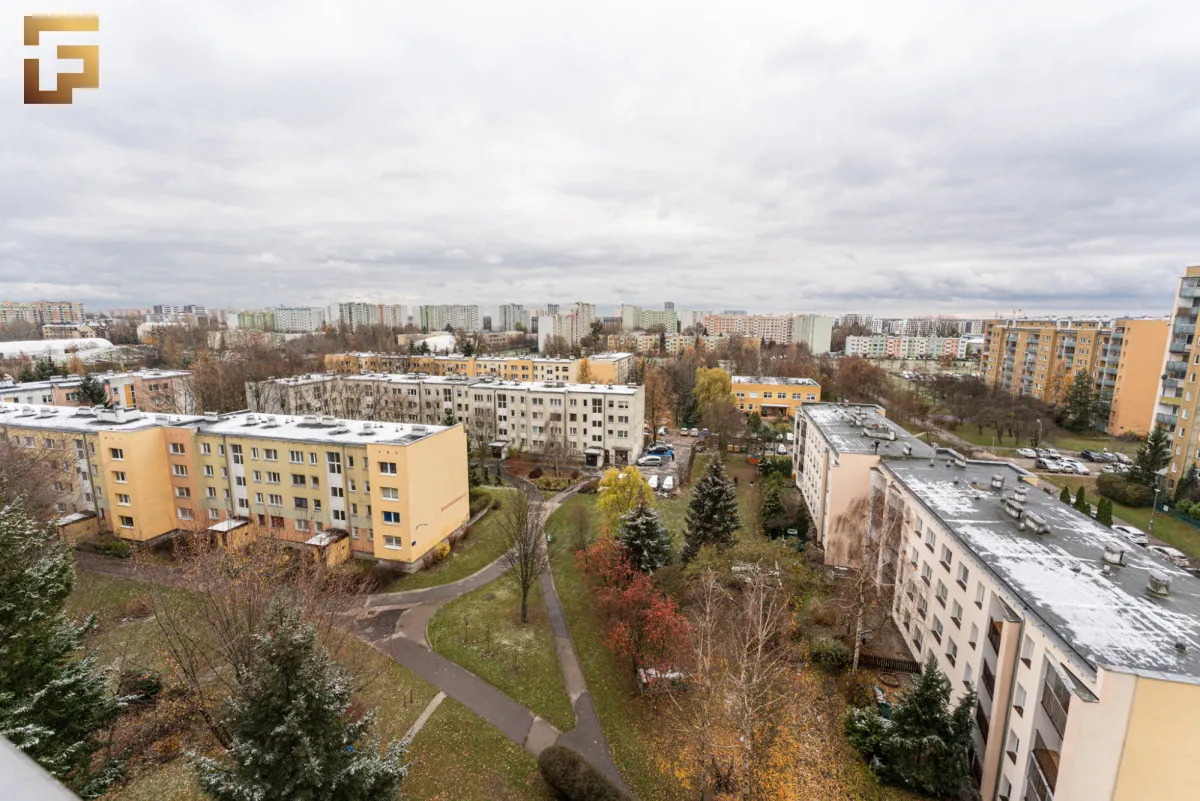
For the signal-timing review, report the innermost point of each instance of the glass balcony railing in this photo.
(1184, 328)
(1179, 347)
(1167, 419)
(1187, 311)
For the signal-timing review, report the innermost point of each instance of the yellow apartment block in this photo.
(1039, 358)
(1178, 397)
(599, 368)
(392, 490)
(1129, 373)
(781, 397)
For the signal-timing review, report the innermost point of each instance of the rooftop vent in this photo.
(1035, 523)
(907, 449)
(1158, 583)
(211, 417)
(1020, 495)
(960, 462)
(309, 419)
(1114, 554)
(368, 430)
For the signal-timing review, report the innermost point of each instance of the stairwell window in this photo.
(126, 521)
(391, 518)
(390, 493)
(117, 454)
(122, 500)
(119, 477)
(387, 468)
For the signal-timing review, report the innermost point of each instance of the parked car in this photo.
(662, 431)
(1046, 463)
(1091, 456)
(781, 449)
(1123, 459)
(695, 432)
(653, 481)
(1134, 535)
(1172, 555)
(1078, 467)
(703, 432)
(668, 483)
(1054, 453)
(650, 460)
(790, 437)
(1027, 453)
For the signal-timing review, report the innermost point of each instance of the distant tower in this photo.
(669, 306)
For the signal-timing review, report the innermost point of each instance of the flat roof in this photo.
(316, 428)
(1107, 620)
(490, 381)
(84, 419)
(774, 380)
(848, 428)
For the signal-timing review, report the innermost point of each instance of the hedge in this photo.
(1123, 491)
(574, 778)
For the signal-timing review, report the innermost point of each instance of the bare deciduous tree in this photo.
(522, 523)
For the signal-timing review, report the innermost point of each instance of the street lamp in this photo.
(1154, 508)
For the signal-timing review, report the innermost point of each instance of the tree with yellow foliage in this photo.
(713, 385)
(585, 371)
(620, 492)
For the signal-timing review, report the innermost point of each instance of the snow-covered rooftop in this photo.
(1106, 619)
(489, 381)
(773, 380)
(855, 428)
(86, 418)
(316, 428)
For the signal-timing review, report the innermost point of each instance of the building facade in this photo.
(439, 317)
(769, 396)
(1129, 372)
(813, 330)
(393, 490)
(1039, 357)
(165, 391)
(1176, 403)
(355, 315)
(880, 346)
(509, 316)
(306, 319)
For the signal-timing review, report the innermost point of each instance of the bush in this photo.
(105, 545)
(824, 615)
(866, 730)
(1185, 507)
(590, 486)
(145, 685)
(535, 474)
(438, 554)
(830, 654)
(1122, 490)
(576, 780)
(480, 500)
(859, 690)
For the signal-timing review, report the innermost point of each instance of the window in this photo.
(208, 470)
(235, 452)
(930, 540)
(1012, 745)
(916, 556)
(337, 492)
(947, 557)
(968, 674)
(257, 476)
(352, 486)
(275, 500)
(390, 493)
(1019, 700)
(316, 505)
(220, 450)
(938, 628)
(272, 478)
(392, 542)
(122, 500)
(258, 498)
(243, 503)
(335, 462)
(254, 453)
(239, 480)
(296, 457)
(183, 492)
(350, 462)
(126, 521)
(941, 593)
(210, 492)
(270, 454)
(183, 513)
(177, 448)
(963, 575)
(312, 458)
(119, 477)
(205, 448)
(1027, 651)
(926, 573)
(300, 503)
(299, 480)
(213, 514)
(338, 514)
(956, 614)
(391, 518)
(387, 468)
(117, 454)
(301, 525)
(951, 651)
(979, 595)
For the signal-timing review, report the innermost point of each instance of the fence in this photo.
(888, 663)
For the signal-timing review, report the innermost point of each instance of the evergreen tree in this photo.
(1104, 512)
(1079, 402)
(646, 539)
(53, 703)
(1065, 495)
(927, 745)
(771, 511)
(91, 392)
(1187, 484)
(290, 735)
(448, 418)
(713, 511)
(1080, 498)
(1152, 456)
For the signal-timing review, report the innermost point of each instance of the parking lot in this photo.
(682, 447)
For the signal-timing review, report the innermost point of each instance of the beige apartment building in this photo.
(1178, 394)
(387, 491)
(601, 368)
(836, 446)
(1083, 649)
(598, 423)
(167, 391)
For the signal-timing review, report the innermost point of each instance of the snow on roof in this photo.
(855, 428)
(773, 380)
(229, 524)
(1107, 620)
(57, 347)
(316, 428)
(493, 382)
(85, 419)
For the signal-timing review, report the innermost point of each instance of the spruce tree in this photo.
(646, 539)
(1079, 402)
(1188, 484)
(1065, 495)
(53, 703)
(1104, 512)
(91, 391)
(1152, 456)
(1081, 499)
(771, 510)
(290, 735)
(713, 511)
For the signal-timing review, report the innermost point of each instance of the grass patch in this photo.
(1171, 531)
(482, 547)
(459, 757)
(175, 780)
(1063, 440)
(482, 631)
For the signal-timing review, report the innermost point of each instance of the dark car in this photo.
(1091, 456)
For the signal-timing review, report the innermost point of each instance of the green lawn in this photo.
(1055, 439)
(478, 550)
(482, 631)
(1171, 531)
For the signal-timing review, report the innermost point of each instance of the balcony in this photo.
(1167, 419)
(1170, 400)
(981, 721)
(989, 680)
(1184, 328)
(1178, 346)
(1056, 703)
(1042, 772)
(1187, 311)
(993, 635)
(1189, 292)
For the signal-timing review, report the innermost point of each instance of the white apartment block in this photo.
(572, 325)
(438, 317)
(600, 423)
(355, 315)
(879, 346)
(813, 330)
(509, 316)
(298, 319)
(635, 318)
(691, 318)
(1083, 649)
(836, 447)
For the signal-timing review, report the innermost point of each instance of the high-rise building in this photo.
(439, 317)
(635, 318)
(1039, 357)
(40, 312)
(1178, 400)
(355, 315)
(813, 330)
(509, 316)
(303, 319)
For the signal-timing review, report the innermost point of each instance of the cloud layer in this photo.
(809, 157)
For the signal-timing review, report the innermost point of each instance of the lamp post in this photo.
(1154, 508)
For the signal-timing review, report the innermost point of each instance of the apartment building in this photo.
(353, 362)
(439, 317)
(392, 490)
(773, 396)
(572, 325)
(1129, 372)
(813, 330)
(41, 312)
(355, 315)
(880, 346)
(1176, 403)
(149, 390)
(603, 368)
(255, 320)
(73, 331)
(1084, 651)
(635, 318)
(1039, 357)
(772, 328)
(836, 447)
(509, 316)
(599, 423)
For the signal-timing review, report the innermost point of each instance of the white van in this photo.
(668, 483)
(653, 481)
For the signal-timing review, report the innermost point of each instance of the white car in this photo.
(1027, 453)
(653, 481)
(781, 449)
(1078, 467)
(649, 461)
(1172, 555)
(668, 483)
(662, 432)
(790, 436)
(695, 432)
(1134, 535)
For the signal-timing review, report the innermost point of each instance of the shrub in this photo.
(105, 545)
(438, 554)
(576, 780)
(866, 730)
(1122, 490)
(535, 473)
(823, 615)
(830, 654)
(859, 690)
(145, 685)
(590, 486)
(1184, 507)
(480, 500)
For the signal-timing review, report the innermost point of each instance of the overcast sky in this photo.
(886, 157)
